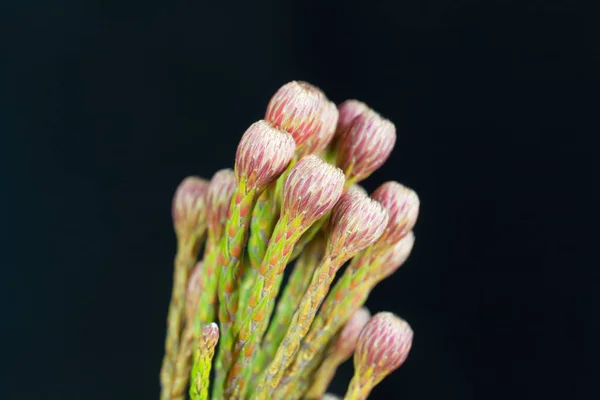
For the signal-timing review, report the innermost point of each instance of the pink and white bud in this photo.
(311, 190)
(218, 199)
(195, 287)
(329, 396)
(402, 205)
(329, 118)
(346, 341)
(356, 222)
(210, 336)
(349, 110)
(395, 256)
(189, 207)
(263, 154)
(296, 108)
(358, 188)
(383, 345)
(365, 145)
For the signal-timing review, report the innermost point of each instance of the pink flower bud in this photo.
(346, 341)
(356, 222)
(311, 189)
(349, 110)
(189, 207)
(402, 205)
(358, 188)
(195, 286)
(210, 336)
(395, 256)
(365, 145)
(263, 154)
(296, 108)
(319, 141)
(383, 345)
(218, 199)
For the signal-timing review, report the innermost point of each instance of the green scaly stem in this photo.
(228, 260)
(299, 325)
(292, 294)
(261, 303)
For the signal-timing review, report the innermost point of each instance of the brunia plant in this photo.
(292, 198)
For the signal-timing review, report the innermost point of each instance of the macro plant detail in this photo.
(236, 329)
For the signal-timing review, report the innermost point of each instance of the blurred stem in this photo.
(187, 251)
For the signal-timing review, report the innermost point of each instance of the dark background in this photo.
(106, 106)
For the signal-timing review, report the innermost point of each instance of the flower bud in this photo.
(195, 287)
(329, 396)
(263, 154)
(358, 188)
(218, 199)
(296, 108)
(402, 205)
(311, 189)
(189, 207)
(349, 110)
(346, 341)
(365, 145)
(319, 141)
(395, 256)
(383, 345)
(356, 222)
(210, 336)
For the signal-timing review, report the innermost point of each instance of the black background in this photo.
(106, 106)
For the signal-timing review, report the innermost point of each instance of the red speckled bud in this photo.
(195, 287)
(346, 341)
(402, 205)
(395, 256)
(365, 145)
(296, 108)
(382, 346)
(311, 189)
(329, 118)
(263, 154)
(218, 199)
(189, 207)
(210, 335)
(356, 222)
(349, 110)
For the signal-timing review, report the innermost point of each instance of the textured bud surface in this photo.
(346, 342)
(395, 256)
(263, 154)
(383, 344)
(349, 110)
(189, 204)
(312, 189)
(210, 335)
(218, 200)
(319, 141)
(296, 108)
(356, 222)
(402, 205)
(365, 145)
(357, 188)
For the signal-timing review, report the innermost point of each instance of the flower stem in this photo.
(184, 261)
(228, 260)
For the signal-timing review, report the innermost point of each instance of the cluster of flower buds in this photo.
(292, 193)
